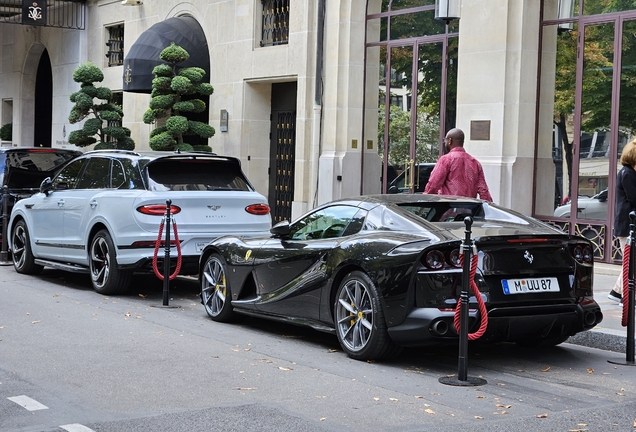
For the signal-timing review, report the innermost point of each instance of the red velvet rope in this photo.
(158, 243)
(480, 302)
(625, 294)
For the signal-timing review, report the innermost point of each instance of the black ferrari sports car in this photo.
(384, 271)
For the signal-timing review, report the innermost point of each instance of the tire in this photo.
(215, 291)
(23, 260)
(106, 277)
(360, 324)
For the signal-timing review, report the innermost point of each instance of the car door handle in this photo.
(93, 204)
(60, 203)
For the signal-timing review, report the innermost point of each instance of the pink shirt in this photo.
(458, 173)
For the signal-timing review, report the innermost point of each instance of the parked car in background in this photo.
(22, 169)
(594, 207)
(384, 271)
(101, 213)
(422, 174)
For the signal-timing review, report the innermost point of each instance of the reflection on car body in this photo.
(383, 272)
(101, 213)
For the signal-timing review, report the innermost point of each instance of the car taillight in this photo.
(434, 259)
(257, 209)
(454, 258)
(583, 253)
(157, 209)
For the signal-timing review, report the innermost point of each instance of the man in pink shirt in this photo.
(457, 172)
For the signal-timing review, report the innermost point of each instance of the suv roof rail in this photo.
(130, 152)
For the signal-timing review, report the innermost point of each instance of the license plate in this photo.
(200, 246)
(530, 285)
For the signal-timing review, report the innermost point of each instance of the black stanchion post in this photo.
(4, 253)
(462, 378)
(628, 294)
(166, 259)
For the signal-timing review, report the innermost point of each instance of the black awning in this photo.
(144, 53)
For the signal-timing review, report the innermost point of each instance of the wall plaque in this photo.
(480, 130)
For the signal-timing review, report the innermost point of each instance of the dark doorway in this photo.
(282, 150)
(43, 103)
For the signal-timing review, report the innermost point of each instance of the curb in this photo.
(600, 339)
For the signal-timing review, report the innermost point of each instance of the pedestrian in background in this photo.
(625, 204)
(457, 172)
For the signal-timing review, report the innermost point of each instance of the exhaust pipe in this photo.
(590, 319)
(439, 328)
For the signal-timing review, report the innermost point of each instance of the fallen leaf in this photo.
(501, 384)
(590, 370)
(620, 394)
(481, 397)
(284, 368)
(56, 295)
(479, 417)
(542, 416)
(143, 296)
(1, 327)
(332, 351)
(247, 388)
(500, 405)
(521, 370)
(393, 399)
(429, 411)
(323, 418)
(416, 397)
(504, 412)
(370, 361)
(36, 322)
(635, 423)
(247, 349)
(546, 369)
(214, 356)
(582, 424)
(508, 406)
(376, 399)
(127, 314)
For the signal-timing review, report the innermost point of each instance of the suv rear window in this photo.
(27, 169)
(196, 174)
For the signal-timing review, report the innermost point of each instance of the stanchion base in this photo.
(6, 263)
(470, 381)
(624, 363)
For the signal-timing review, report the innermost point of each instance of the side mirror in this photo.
(393, 189)
(281, 229)
(46, 187)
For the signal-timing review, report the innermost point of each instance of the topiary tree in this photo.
(169, 87)
(102, 113)
(6, 132)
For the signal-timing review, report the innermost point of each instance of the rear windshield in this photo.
(457, 211)
(196, 174)
(27, 169)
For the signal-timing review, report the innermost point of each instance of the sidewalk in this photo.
(609, 334)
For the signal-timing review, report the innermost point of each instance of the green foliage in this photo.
(101, 112)
(181, 85)
(202, 148)
(6, 132)
(163, 70)
(174, 54)
(177, 125)
(168, 87)
(201, 129)
(88, 73)
(162, 142)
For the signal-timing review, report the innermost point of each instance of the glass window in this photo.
(115, 44)
(96, 175)
(416, 24)
(330, 222)
(196, 174)
(68, 177)
(275, 22)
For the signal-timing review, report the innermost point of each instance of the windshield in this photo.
(196, 174)
(456, 212)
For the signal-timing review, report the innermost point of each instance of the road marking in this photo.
(76, 427)
(28, 403)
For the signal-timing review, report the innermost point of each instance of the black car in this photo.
(22, 169)
(384, 272)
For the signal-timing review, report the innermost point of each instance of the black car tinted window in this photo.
(330, 222)
(96, 175)
(196, 174)
(27, 169)
(68, 177)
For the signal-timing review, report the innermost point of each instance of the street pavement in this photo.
(609, 334)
